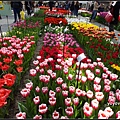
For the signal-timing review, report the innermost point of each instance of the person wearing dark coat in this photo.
(28, 7)
(51, 5)
(115, 12)
(17, 7)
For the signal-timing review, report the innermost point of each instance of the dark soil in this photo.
(18, 98)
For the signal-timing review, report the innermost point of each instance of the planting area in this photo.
(52, 67)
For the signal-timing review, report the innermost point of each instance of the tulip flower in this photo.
(95, 104)
(33, 72)
(118, 115)
(67, 101)
(69, 111)
(65, 93)
(102, 115)
(37, 89)
(43, 108)
(55, 115)
(64, 86)
(99, 96)
(76, 101)
(21, 115)
(52, 93)
(36, 100)
(71, 89)
(25, 92)
(52, 101)
(109, 111)
(37, 117)
(29, 85)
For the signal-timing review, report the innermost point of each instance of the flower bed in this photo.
(58, 89)
(95, 39)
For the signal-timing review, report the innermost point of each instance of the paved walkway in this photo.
(5, 25)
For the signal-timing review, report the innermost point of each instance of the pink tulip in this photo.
(49, 72)
(100, 64)
(39, 58)
(52, 93)
(36, 100)
(41, 71)
(64, 117)
(74, 56)
(37, 68)
(99, 96)
(118, 115)
(71, 89)
(95, 63)
(37, 89)
(29, 85)
(58, 89)
(52, 101)
(88, 60)
(95, 104)
(107, 82)
(97, 88)
(108, 72)
(89, 94)
(64, 86)
(111, 100)
(69, 111)
(107, 88)
(98, 59)
(33, 72)
(65, 93)
(83, 93)
(68, 101)
(104, 76)
(25, 92)
(76, 101)
(70, 76)
(43, 108)
(53, 75)
(59, 81)
(102, 115)
(111, 93)
(55, 115)
(45, 90)
(35, 62)
(78, 92)
(87, 110)
(21, 115)
(83, 79)
(58, 67)
(65, 71)
(97, 80)
(105, 69)
(59, 60)
(109, 111)
(37, 117)
(90, 76)
(97, 71)
(113, 77)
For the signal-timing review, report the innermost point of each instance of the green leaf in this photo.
(21, 107)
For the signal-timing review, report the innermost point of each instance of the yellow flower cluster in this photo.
(115, 67)
(83, 25)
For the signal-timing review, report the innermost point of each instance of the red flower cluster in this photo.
(55, 21)
(9, 80)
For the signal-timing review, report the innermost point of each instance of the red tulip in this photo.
(69, 111)
(36, 100)
(55, 115)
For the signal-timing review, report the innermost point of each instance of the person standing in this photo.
(72, 6)
(115, 7)
(76, 8)
(17, 7)
(28, 7)
(94, 12)
(51, 5)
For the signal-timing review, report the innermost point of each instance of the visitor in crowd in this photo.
(67, 5)
(40, 3)
(56, 4)
(95, 10)
(17, 7)
(72, 8)
(51, 4)
(76, 8)
(28, 7)
(114, 9)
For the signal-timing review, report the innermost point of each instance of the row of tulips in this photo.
(97, 43)
(16, 51)
(62, 88)
(56, 21)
